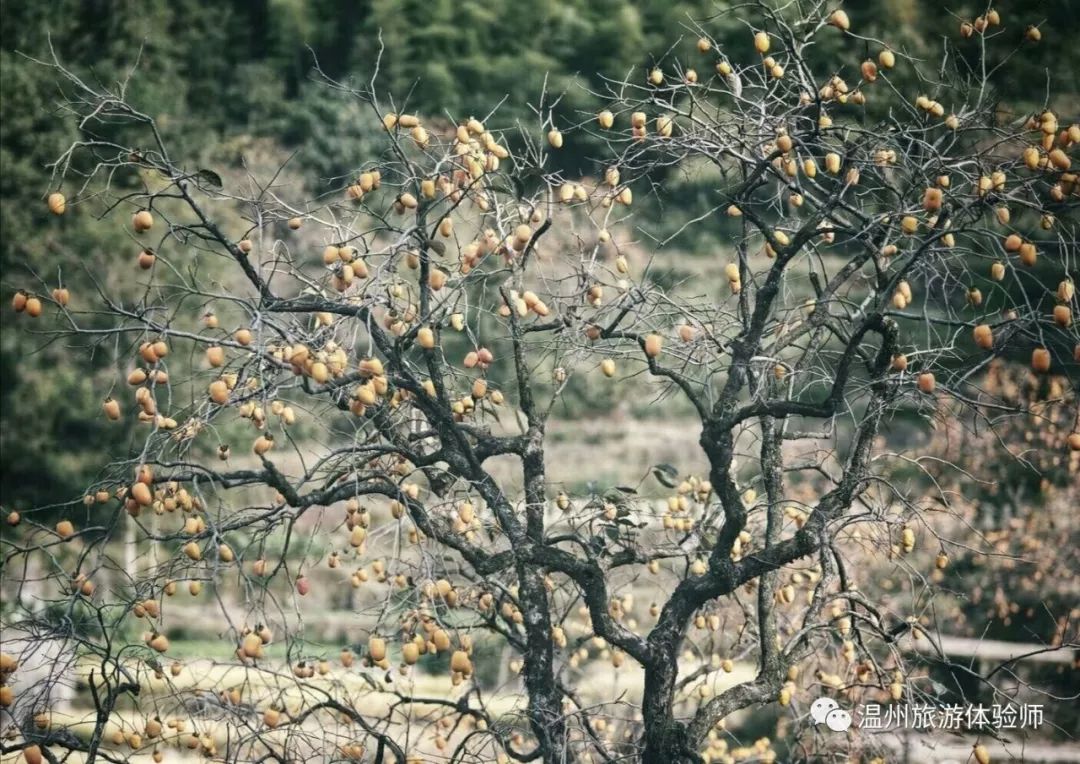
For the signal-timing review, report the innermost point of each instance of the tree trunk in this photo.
(545, 699)
(665, 737)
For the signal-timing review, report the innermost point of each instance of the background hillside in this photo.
(241, 77)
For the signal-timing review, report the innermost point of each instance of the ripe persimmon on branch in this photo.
(355, 390)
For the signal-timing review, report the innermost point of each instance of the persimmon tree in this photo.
(328, 392)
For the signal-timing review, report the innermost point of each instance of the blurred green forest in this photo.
(231, 74)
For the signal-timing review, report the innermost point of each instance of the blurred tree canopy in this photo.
(230, 73)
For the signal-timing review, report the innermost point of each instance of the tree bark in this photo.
(665, 737)
(545, 699)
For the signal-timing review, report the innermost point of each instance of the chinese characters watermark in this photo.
(923, 716)
(927, 717)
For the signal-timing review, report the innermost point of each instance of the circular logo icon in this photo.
(838, 720)
(820, 709)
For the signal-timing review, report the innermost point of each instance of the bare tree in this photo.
(886, 247)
